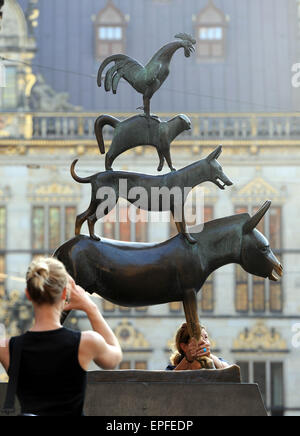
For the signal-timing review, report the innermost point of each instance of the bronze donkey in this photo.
(135, 274)
(184, 180)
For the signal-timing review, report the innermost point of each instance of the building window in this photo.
(110, 32)
(207, 296)
(127, 364)
(107, 33)
(175, 307)
(8, 93)
(211, 33)
(211, 28)
(51, 227)
(270, 379)
(2, 249)
(255, 293)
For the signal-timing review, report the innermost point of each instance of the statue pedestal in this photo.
(169, 393)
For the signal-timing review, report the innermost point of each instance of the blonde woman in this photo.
(54, 359)
(187, 351)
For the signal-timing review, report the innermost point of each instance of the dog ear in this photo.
(256, 219)
(215, 154)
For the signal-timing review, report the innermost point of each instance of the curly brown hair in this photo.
(182, 336)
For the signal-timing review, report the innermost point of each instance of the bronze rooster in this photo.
(144, 79)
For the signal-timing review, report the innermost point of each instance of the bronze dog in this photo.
(186, 179)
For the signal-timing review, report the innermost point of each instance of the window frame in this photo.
(47, 250)
(6, 89)
(120, 23)
(204, 24)
(101, 27)
(268, 378)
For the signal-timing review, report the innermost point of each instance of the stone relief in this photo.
(44, 99)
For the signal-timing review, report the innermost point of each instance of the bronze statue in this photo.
(136, 131)
(145, 80)
(135, 274)
(184, 180)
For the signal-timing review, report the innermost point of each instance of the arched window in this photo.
(110, 31)
(211, 28)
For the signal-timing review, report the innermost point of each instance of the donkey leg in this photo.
(193, 323)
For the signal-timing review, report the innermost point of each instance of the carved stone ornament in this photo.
(259, 338)
(129, 337)
(53, 192)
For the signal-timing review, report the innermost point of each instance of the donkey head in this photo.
(217, 175)
(257, 257)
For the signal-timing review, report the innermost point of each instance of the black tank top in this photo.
(51, 381)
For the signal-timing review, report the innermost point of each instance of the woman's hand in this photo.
(196, 350)
(78, 298)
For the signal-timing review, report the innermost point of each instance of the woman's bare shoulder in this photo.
(4, 353)
(90, 337)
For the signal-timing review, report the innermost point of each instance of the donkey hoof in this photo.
(173, 169)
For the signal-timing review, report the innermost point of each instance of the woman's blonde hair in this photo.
(46, 279)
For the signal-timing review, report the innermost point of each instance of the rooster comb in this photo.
(185, 37)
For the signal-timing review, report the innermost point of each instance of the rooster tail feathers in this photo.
(109, 78)
(115, 58)
(113, 76)
(116, 81)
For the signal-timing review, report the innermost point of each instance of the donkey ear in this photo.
(255, 220)
(215, 154)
